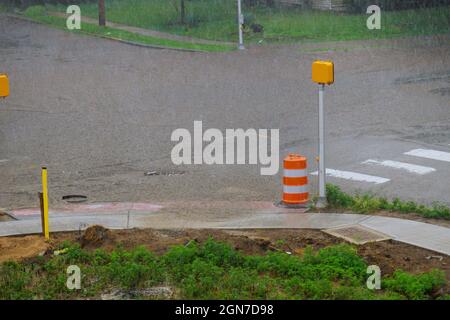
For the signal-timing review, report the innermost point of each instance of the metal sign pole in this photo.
(322, 73)
(322, 201)
(240, 23)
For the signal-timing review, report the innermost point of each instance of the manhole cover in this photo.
(74, 198)
(357, 234)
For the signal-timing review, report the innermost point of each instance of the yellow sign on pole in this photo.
(45, 203)
(323, 72)
(4, 85)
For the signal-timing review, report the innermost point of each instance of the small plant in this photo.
(35, 11)
(220, 253)
(417, 287)
(133, 269)
(280, 243)
(14, 280)
(337, 198)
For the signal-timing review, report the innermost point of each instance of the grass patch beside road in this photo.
(366, 203)
(39, 14)
(330, 26)
(212, 270)
(216, 20)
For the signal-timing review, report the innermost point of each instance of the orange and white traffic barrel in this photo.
(295, 180)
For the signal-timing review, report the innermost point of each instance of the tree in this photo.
(182, 12)
(101, 13)
(180, 9)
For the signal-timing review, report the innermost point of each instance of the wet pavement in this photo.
(100, 115)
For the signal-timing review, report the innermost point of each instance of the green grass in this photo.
(367, 202)
(39, 14)
(213, 270)
(216, 19)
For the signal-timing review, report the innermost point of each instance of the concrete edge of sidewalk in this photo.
(9, 214)
(420, 234)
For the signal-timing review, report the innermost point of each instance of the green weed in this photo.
(416, 287)
(367, 202)
(213, 270)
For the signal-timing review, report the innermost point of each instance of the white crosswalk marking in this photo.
(430, 154)
(413, 168)
(354, 176)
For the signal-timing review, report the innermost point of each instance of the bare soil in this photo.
(389, 255)
(18, 248)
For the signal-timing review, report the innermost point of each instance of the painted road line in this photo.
(412, 168)
(354, 176)
(430, 154)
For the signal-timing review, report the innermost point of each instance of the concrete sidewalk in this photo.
(419, 234)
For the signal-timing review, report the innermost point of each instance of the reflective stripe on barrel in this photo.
(295, 180)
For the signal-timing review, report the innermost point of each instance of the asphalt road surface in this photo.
(100, 115)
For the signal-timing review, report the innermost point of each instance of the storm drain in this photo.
(75, 198)
(357, 234)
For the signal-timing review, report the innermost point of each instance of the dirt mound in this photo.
(18, 248)
(94, 236)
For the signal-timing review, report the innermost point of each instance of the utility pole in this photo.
(241, 25)
(101, 13)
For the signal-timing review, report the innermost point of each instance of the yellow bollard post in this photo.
(45, 202)
(4, 85)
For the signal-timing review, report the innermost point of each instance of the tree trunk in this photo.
(182, 12)
(101, 13)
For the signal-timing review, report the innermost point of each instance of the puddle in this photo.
(151, 173)
(425, 77)
(441, 91)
